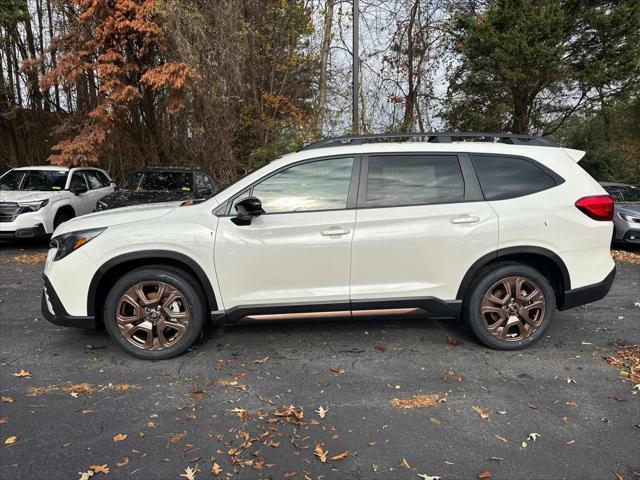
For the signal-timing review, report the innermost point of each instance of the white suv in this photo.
(499, 234)
(35, 200)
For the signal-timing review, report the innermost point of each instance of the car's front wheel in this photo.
(509, 306)
(155, 313)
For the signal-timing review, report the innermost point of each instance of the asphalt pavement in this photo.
(247, 400)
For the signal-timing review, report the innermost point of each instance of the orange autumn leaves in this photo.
(129, 69)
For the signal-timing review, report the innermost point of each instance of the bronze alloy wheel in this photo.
(513, 308)
(153, 315)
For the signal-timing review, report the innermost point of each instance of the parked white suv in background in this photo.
(500, 234)
(35, 200)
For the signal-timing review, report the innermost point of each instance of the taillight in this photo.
(598, 207)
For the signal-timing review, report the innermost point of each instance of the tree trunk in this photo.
(324, 66)
(411, 96)
(33, 82)
(520, 122)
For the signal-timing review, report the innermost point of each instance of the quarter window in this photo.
(397, 180)
(504, 177)
(319, 185)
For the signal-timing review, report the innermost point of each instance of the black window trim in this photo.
(225, 209)
(554, 176)
(471, 184)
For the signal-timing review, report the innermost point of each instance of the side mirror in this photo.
(80, 190)
(247, 209)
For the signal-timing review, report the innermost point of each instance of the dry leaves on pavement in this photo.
(119, 437)
(22, 373)
(11, 440)
(31, 259)
(340, 456)
(322, 412)
(625, 256)
(484, 413)
(627, 360)
(320, 452)
(190, 473)
(419, 401)
(6, 399)
(100, 468)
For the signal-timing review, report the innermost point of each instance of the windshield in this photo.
(40, 180)
(155, 181)
(624, 194)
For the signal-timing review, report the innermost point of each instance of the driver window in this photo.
(319, 185)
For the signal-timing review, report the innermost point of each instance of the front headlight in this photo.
(629, 218)
(33, 206)
(71, 241)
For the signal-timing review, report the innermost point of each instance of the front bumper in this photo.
(54, 311)
(590, 293)
(32, 232)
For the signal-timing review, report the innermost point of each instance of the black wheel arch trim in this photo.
(159, 255)
(483, 261)
(60, 316)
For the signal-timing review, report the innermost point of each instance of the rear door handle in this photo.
(465, 219)
(335, 231)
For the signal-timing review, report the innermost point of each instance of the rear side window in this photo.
(504, 177)
(93, 179)
(397, 180)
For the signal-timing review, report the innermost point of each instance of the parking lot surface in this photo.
(274, 401)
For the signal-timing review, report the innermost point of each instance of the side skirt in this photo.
(429, 307)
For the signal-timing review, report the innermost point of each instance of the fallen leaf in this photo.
(419, 401)
(380, 348)
(86, 410)
(3, 420)
(495, 459)
(260, 361)
(151, 424)
(337, 369)
(6, 399)
(322, 412)
(524, 444)
(290, 474)
(22, 374)
(85, 475)
(502, 412)
(371, 444)
(571, 404)
(216, 469)
(618, 476)
(424, 476)
(454, 341)
(569, 380)
(11, 440)
(118, 437)
(533, 436)
(619, 398)
(320, 452)
(123, 462)
(340, 456)
(178, 437)
(484, 475)
(483, 412)
(100, 468)
(404, 463)
(570, 442)
(190, 473)
(501, 438)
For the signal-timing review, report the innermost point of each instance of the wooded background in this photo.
(230, 84)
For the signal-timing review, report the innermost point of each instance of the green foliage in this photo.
(13, 12)
(611, 138)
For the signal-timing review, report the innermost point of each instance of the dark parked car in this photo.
(626, 216)
(160, 184)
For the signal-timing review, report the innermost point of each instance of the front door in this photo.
(419, 228)
(294, 259)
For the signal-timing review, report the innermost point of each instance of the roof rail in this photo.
(434, 137)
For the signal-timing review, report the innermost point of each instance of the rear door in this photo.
(421, 223)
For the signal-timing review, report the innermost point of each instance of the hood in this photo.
(27, 195)
(117, 216)
(630, 208)
(125, 198)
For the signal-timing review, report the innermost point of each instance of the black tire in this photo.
(175, 278)
(487, 279)
(61, 217)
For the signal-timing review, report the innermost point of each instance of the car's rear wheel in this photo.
(510, 306)
(155, 312)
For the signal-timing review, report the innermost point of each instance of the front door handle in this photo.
(465, 219)
(335, 231)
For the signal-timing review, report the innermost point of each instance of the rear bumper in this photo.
(54, 311)
(590, 293)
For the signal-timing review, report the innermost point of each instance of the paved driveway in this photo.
(246, 398)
